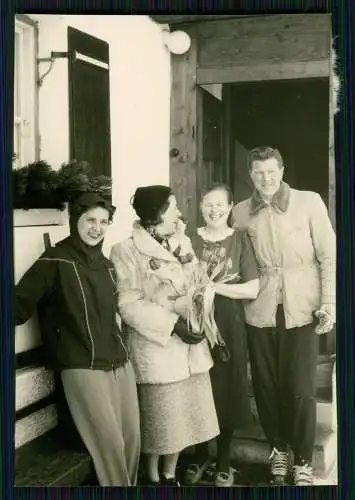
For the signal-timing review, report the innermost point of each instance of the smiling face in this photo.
(92, 225)
(215, 209)
(267, 176)
(169, 219)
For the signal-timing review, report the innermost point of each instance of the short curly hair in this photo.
(262, 153)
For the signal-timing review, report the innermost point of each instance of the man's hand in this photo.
(326, 315)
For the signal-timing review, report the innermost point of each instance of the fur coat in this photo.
(148, 275)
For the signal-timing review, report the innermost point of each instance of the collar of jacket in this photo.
(281, 200)
(147, 245)
(90, 256)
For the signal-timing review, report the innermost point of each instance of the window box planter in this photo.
(40, 217)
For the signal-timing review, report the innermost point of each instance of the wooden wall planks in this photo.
(241, 50)
(248, 49)
(252, 26)
(33, 384)
(35, 424)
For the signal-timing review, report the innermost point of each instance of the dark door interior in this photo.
(291, 115)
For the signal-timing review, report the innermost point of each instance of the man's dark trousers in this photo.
(283, 364)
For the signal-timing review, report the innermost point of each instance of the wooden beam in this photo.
(183, 129)
(176, 19)
(268, 71)
(264, 25)
(275, 47)
(200, 170)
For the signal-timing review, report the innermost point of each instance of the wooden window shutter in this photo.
(89, 101)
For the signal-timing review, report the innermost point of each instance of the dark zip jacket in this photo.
(74, 288)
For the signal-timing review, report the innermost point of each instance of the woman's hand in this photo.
(189, 337)
(182, 306)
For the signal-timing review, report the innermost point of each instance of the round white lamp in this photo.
(177, 42)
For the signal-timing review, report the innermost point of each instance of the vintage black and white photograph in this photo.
(174, 250)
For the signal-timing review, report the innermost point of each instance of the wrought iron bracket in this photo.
(51, 60)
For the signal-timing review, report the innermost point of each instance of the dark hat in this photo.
(149, 201)
(87, 201)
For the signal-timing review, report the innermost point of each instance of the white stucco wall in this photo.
(140, 111)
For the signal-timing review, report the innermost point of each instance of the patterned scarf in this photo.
(164, 242)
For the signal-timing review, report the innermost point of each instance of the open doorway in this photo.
(291, 115)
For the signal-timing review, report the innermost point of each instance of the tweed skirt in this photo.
(177, 415)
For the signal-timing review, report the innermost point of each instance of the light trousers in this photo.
(104, 407)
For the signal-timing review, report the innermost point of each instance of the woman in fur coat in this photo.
(154, 267)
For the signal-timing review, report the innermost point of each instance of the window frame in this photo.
(27, 27)
(25, 124)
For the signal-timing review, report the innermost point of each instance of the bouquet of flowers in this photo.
(195, 282)
(201, 294)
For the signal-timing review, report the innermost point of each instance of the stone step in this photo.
(251, 447)
(330, 478)
(250, 456)
(258, 475)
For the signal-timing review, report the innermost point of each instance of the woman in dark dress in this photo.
(217, 243)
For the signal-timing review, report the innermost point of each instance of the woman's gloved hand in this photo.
(182, 306)
(186, 335)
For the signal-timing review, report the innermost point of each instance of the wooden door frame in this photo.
(264, 72)
(186, 113)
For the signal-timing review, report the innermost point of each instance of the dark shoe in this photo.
(171, 481)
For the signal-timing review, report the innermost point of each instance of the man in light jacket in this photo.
(295, 247)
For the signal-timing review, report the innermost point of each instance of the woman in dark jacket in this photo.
(74, 287)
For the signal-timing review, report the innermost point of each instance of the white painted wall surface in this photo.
(140, 122)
